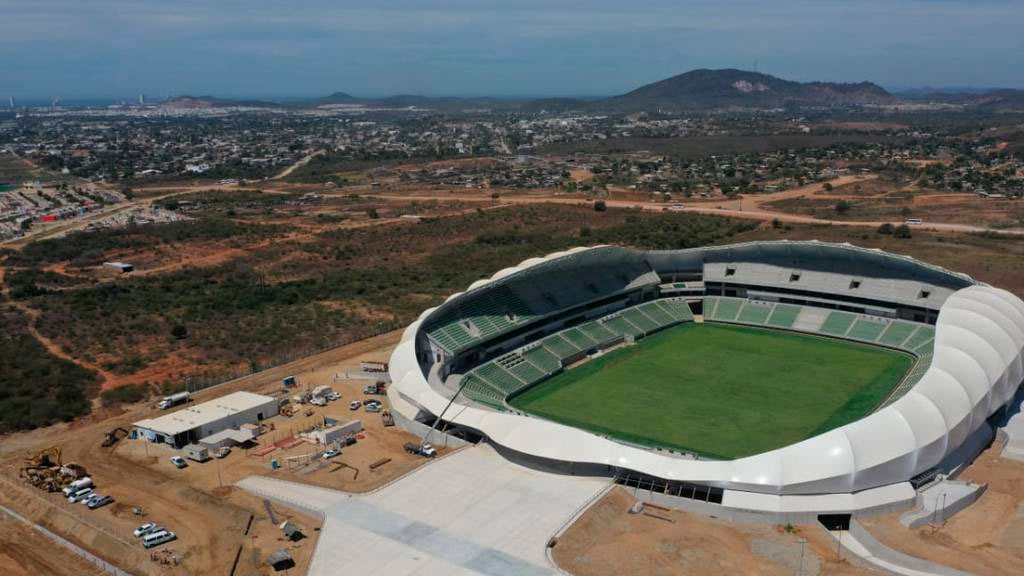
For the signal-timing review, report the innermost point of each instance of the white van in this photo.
(157, 538)
(77, 485)
(912, 221)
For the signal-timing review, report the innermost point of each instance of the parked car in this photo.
(317, 401)
(145, 529)
(222, 452)
(331, 453)
(157, 538)
(332, 396)
(374, 406)
(179, 462)
(354, 405)
(95, 503)
(82, 494)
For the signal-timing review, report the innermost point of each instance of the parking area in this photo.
(472, 512)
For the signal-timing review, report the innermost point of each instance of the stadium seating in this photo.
(620, 325)
(754, 312)
(640, 320)
(838, 323)
(578, 339)
(597, 332)
(560, 347)
(783, 316)
(867, 328)
(923, 335)
(727, 309)
(479, 391)
(897, 333)
(656, 313)
(542, 359)
(499, 378)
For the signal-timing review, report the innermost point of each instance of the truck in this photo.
(173, 400)
(77, 485)
(288, 381)
(375, 388)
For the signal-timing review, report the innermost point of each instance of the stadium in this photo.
(771, 378)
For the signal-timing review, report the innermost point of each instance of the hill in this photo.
(716, 89)
(186, 102)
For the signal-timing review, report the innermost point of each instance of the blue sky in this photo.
(281, 48)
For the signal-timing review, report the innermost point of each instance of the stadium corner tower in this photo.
(460, 366)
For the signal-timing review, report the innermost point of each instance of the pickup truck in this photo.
(425, 449)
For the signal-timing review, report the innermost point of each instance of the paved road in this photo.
(471, 513)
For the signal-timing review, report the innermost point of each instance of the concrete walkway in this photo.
(470, 513)
(859, 542)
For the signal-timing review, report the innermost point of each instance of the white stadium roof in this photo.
(976, 368)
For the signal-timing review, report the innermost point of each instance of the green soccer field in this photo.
(720, 391)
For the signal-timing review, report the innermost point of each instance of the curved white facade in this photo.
(976, 369)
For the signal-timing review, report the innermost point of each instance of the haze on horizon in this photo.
(262, 48)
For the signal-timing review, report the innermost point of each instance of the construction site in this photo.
(217, 528)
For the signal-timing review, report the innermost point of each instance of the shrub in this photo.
(600, 206)
(885, 229)
(902, 231)
(127, 394)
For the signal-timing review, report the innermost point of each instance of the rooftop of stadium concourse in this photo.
(841, 284)
(813, 255)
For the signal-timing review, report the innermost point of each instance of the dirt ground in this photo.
(608, 540)
(198, 503)
(986, 539)
(26, 552)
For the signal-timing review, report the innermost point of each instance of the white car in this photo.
(373, 406)
(331, 453)
(354, 405)
(178, 462)
(332, 396)
(427, 450)
(317, 401)
(83, 494)
(145, 529)
(98, 501)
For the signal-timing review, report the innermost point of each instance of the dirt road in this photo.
(298, 164)
(749, 208)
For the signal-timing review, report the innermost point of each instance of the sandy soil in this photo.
(608, 540)
(210, 520)
(26, 552)
(985, 539)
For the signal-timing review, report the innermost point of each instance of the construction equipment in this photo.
(43, 477)
(45, 458)
(111, 437)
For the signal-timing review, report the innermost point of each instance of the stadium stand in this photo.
(493, 381)
(641, 321)
(754, 312)
(542, 359)
(578, 339)
(620, 325)
(479, 391)
(560, 347)
(897, 333)
(727, 309)
(499, 378)
(520, 367)
(867, 328)
(783, 316)
(922, 335)
(597, 332)
(838, 323)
